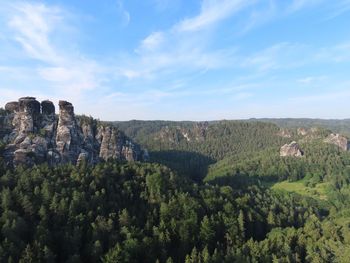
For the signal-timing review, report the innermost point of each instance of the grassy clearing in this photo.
(317, 192)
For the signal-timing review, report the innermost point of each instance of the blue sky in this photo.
(179, 59)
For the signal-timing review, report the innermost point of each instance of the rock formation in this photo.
(285, 133)
(68, 139)
(114, 144)
(176, 134)
(338, 140)
(302, 132)
(293, 149)
(34, 134)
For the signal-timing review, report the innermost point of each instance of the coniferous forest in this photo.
(227, 196)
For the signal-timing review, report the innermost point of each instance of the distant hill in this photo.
(338, 126)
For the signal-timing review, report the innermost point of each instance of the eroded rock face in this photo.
(115, 145)
(293, 149)
(200, 130)
(34, 134)
(285, 133)
(176, 134)
(302, 132)
(27, 118)
(47, 108)
(338, 140)
(48, 121)
(12, 106)
(68, 137)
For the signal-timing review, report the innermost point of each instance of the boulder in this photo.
(285, 133)
(302, 131)
(338, 140)
(293, 149)
(115, 145)
(23, 157)
(83, 157)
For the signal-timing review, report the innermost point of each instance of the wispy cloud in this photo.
(162, 5)
(124, 15)
(297, 5)
(337, 53)
(277, 56)
(151, 42)
(33, 26)
(312, 80)
(340, 8)
(198, 59)
(212, 11)
(163, 52)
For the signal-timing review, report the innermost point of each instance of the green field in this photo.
(319, 191)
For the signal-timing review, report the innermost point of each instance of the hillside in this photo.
(223, 191)
(338, 126)
(190, 147)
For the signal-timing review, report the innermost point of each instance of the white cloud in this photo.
(152, 42)
(123, 13)
(165, 65)
(35, 26)
(340, 8)
(32, 25)
(338, 53)
(212, 11)
(277, 56)
(311, 80)
(297, 5)
(173, 50)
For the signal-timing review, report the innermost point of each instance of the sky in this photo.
(179, 59)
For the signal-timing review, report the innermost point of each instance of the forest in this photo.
(226, 197)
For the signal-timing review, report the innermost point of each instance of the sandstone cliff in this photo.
(33, 133)
(339, 140)
(285, 133)
(293, 149)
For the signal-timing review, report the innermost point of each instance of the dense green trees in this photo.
(117, 212)
(189, 148)
(147, 212)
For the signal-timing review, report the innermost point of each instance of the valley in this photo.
(223, 191)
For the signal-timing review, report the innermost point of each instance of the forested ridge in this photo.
(190, 147)
(221, 194)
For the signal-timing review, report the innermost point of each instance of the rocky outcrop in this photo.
(177, 134)
(47, 108)
(115, 145)
(68, 139)
(27, 117)
(34, 134)
(200, 130)
(302, 132)
(293, 149)
(48, 120)
(285, 133)
(338, 140)
(12, 106)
